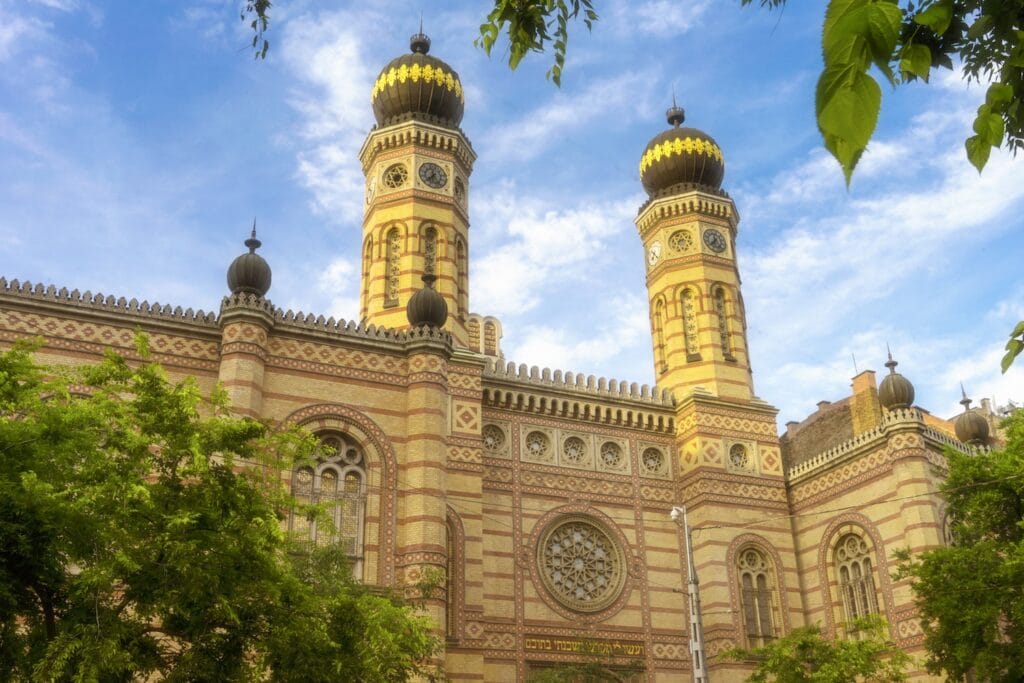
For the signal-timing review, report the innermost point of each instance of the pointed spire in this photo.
(420, 43)
(965, 402)
(252, 242)
(675, 113)
(891, 364)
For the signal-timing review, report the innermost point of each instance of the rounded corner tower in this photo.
(417, 163)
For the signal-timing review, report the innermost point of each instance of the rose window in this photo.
(681, 240)
(395, 176)
(653, 460)
(611, 455)
(537, 446)
(738, 456)
(581, 566)
(574, 450)
(494, 438)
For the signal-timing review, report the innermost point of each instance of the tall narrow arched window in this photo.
(757, 597)
(855, 577)
(430, 251)
(336, 483)
(475, 338)
(394, 255)
(659, 337)
(451, 584)
(462, 294)
(367, 264)
(723, 321)
(689, 303)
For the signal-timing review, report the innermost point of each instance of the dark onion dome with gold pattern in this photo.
(427, 307)
(249, 273)
(418, 86)
(895, 390)
(971, 427)
(681, 156)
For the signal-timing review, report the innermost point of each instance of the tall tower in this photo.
(417, 164)
(688, 228)
(729, 469)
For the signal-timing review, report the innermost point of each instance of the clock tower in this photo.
(417, 163)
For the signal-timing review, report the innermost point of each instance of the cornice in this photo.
(682, 200)
(417, 132)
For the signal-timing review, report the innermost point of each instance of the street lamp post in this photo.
(697, 661)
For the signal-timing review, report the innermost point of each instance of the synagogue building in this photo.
(544, 496)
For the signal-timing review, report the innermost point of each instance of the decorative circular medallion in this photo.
(574, 450)
(653, 460)
(494, 438)
(611, 455)
(580, 565)
(715, 240)
(738, 456)
(395, 176)
(433, 175)
(537, 446)
(681, 240)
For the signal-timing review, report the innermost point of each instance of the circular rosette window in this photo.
(580, 564)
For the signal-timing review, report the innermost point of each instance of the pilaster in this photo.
(245, 322)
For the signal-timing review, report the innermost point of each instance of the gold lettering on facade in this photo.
(612, 648)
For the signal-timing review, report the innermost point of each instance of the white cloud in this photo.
(16, 31)
(659, 18)
(339, 283)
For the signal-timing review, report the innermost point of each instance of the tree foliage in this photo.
(971, 594)
(804, 655)
(135, 544)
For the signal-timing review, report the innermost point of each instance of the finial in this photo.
(965, 402)
(420, 43)
(429, 279)
(252, 242)
(675, 113)
(891, 364)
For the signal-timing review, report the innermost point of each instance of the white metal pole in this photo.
(697, 661)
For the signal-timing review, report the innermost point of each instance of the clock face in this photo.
(654, 253)
(715, 240)
(433, 175)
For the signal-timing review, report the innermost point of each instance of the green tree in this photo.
(804, 655)
(971, 594)
(140, 535)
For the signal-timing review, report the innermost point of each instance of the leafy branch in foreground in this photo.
(140, 537)
(804, 655)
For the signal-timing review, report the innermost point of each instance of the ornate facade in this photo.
(543, 496)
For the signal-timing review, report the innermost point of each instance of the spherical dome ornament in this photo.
(249, 273)
(681, 156)
(971, 427)
(895, 390)
(427, 307)
(417, 85)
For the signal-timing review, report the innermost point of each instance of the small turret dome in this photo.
(417, 85)
(971, 427)
(895, 390)
(427, 307)
(249, 273)
(681, 156)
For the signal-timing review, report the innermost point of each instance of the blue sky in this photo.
(137, 141)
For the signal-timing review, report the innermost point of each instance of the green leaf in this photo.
(1019, 330)
(917, 60)
(847, 104)
(883, 30)
(999, 94)
(989, 126)
(937, 17)
(980, 27)
(978, 151)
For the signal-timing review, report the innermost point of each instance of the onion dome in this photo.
(895, 390)
(971, 427)
(427, 307)
(417, 85)
(249, 273)
(681, 155)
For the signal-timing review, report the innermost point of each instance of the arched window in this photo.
(367, 264)
(689, 303)
(473, 327)
(393, 268)
(430, 251)
(337, 482)
(855, 577)
(659, 336)
(723, 321)
(462, 295)
(757, 596)
(490, 338)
